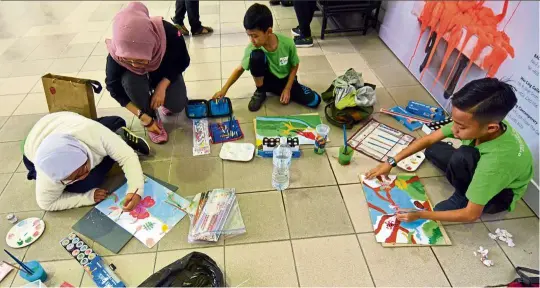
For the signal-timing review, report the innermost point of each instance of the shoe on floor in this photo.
(166, 111)
(160, 138)
(182, 28)
(274, 2)
(135, 142)
(296, 31)
(256, 101)
(303, 42)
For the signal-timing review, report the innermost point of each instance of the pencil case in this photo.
(198, 108)
(426, 111)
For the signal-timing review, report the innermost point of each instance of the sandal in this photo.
(182, 28)
(157, 138)
(202, 31)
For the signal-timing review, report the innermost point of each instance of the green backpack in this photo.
(348, 116)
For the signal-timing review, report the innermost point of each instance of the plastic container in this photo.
(345, 157)
(322, 136)
(39, 272)
(282, 162)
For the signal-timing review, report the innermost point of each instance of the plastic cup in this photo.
(321, 138)
(345, 157)
(39, 272)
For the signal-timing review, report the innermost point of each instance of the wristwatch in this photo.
(391, 161)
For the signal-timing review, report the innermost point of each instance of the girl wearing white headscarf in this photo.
(69, 156)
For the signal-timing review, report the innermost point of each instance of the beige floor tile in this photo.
(98, 75)
(206, 41)
(7, 68)
(521, 210)
(47, 51)
(120, 112)
(355, 200)
(67, 65)
(232, 15)
(263, 264)
(17, 85)
(205, 55)
(232, 28)
(348, 174)
(264, 217)
(58, 272)
(524, 236)
(132, 269)
(203, 71)
(232, 53)
(384, 100)
(19, 195)
(311, 170)
(236, 39)
(336, 45)
(58, 225)
(197, 176)
(242, 88)
(259, 171)
(10, 103)
(203, 89)
(369, 42)
(283, 12)
(29, 68)
(94, 63)
(100, 50)
(315, 50)
(3, 120)
(4, 228)
(20, 49)
(464, 269)
(317, 81)
(340, 257)
(289, 23)
(4, 179)
(241, 112)
(133, 246)
(395, 76)
(106, 101)
(314, 63)
(415, 264)
(177, 238)
(379, 58)
(158, 169)
(78, 50)
(228, 67)
(342, 62)
(165, 258)
(303, 207)
(33, 103)
(16, 128)
(402, 95)
(10, 156)
(87, 37)
(157, 151)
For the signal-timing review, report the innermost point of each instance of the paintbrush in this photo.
(344, 140)
(136, 190)
(26, 268)
(408, 210)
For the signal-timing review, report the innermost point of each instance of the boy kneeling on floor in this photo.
(273, 62)
(492, 168)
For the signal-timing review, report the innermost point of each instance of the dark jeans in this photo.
(299, 93)
(138, 89)
(459, 166)
(192, 9)
(304, 13)
(96, 175)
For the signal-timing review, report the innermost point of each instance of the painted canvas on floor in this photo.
(402, 192)
(268, 129)
(157, 212)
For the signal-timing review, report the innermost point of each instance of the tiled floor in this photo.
(317, 233)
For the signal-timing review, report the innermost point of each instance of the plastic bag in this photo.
(193, 270)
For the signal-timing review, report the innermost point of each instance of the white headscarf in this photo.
(59, 155)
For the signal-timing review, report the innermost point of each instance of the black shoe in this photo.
(137, 143)
(256, 101)
(274, 2)
(303, 42)
(296, 31)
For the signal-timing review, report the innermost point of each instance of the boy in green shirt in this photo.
(492, 168)
(273, 62)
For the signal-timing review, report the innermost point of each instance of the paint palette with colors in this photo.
(25, 232)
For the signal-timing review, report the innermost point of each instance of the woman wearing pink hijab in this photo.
(144, 68)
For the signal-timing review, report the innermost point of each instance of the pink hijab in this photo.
(137, 36)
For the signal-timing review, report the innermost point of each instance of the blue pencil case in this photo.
(197, 109)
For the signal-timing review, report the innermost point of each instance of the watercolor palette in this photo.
(78, 249)
(25, 232)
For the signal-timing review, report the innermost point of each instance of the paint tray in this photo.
(218, 131)
(242, 152)
(412, 162)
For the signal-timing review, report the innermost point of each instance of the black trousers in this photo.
(299, 93)
(192, 9)
(97, 175)
(304, 13)
(459, 166)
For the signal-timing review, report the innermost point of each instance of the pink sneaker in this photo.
(160, 138)
(166, 111)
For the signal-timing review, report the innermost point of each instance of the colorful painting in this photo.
(301, 127)
(402, 193)
(157, 212)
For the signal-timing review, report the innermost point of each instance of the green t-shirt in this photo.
(280, 61)
(505, 162)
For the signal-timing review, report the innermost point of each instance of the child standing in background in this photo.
(273, 62)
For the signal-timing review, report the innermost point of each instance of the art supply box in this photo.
(197, 109)
(270, 143)
(411, 125)
(436, 125)
(426, 111)
(225, 132)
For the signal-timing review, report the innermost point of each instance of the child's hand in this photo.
(218, 95)
(285, 96)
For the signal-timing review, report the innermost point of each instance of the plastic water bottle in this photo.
(282, 161)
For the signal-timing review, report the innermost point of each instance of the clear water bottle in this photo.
(282, 162)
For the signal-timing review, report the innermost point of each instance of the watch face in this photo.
(391, 161)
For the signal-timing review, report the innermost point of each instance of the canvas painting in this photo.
(157, 212)
(403, 192)
(268, 129)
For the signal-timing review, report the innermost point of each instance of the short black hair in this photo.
(258, 17)
(488, 99)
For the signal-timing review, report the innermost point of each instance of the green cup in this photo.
(345, 157)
